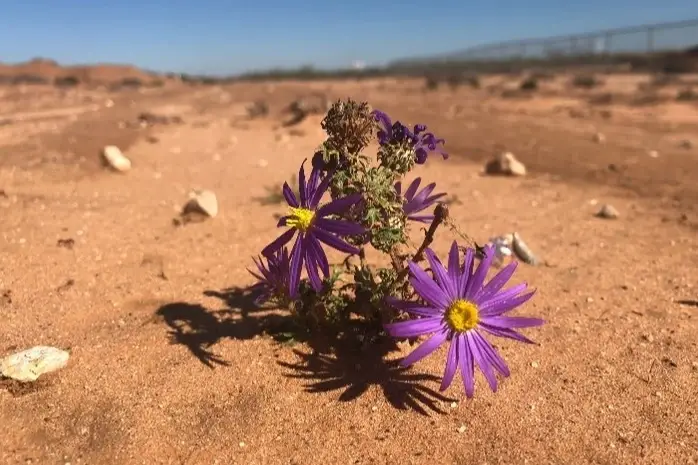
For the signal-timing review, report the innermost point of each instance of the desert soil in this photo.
(171, 363)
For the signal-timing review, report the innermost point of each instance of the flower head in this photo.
(273, 277)
(313, 226)
(418, 140)
(461, 309)
(416, 202)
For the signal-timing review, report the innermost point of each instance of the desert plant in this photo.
(530, 84)
(687, 95)
(356, 301)
(585, 81)
(66, 81)
(32, 79)
(431, 83)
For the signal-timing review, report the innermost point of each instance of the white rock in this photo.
(506, 163)
(203, 201)
(114, 158)
(28, 365)
(608, 212)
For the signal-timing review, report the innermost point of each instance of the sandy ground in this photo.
(169, 366)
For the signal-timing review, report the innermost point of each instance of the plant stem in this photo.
(440, 215)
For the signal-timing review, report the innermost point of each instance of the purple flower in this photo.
(416, 202)
(313, 227)
(420, 141)
(458, 308)
(273, 277)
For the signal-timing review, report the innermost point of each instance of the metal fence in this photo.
(640, 39)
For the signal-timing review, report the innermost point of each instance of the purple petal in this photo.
(313, 184)
(441, 275)
(497, 282)
(334, 241)
(421, 218)
(311, 266)
(278, 243)
(341, 227)
(467, 270)
(290, 196)
(413, 308)
(511, 322)
(491, 354)
(495, 307)
(412, 188)
(302, 186)
(319, 254)
(398, 188)
(296, 265)
(467, 365)
(320, 190)
(451, 365)
(427, 288)
(425, 348)
(338, 206)
(413, 328)
(482, 361)
(475, 284)
(505, 333)
(454, 266)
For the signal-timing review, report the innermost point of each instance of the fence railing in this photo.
(630, 40)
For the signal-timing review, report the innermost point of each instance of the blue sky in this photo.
(221, 37)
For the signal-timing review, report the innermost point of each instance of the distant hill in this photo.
(45, 70)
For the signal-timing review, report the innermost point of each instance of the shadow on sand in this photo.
(351, 365)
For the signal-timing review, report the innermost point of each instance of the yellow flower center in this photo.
(462, 316)
(300, 218)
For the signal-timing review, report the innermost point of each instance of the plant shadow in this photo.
(199, 329)
(352, 364)
(354, 370)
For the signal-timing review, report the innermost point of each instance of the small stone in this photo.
(608, 212)
(505, 164)
(686, 144)
(648, 337)
(241, 444)
(535, 364)
(203, 202)
(28, 365)
(374, 409)
(454, 404)
(599, 138)
(462, 429)
(115, 159)
(653, 154)
(695, 366)
(590, 300)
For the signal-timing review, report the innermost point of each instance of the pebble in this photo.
(29, 364)
(608, 212)
(599, 138)
(241, 444)
(203, 201)
(115, 159)
(686, 144)
(505, 164)
(695, 366)
(653, 154)
(535, 364)
(462, 429)
(454, 404)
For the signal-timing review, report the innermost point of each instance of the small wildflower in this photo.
(416, 202)
(419, 141)
(313, 227)
(273, 277)
(460, 308)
